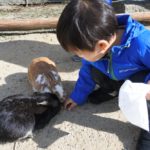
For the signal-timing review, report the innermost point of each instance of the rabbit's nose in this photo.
(63, 99)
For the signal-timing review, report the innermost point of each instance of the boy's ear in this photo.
(102, 46)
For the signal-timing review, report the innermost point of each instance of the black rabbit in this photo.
(20, 115)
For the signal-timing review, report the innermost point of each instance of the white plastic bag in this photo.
(132, 103)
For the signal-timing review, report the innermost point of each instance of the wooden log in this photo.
(141, 16)
(27, 24)
(40, 23)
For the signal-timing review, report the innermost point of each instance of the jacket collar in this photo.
(129, 24)
(132, 30)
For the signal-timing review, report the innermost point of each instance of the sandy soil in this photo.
(88, 127)
(37, 11)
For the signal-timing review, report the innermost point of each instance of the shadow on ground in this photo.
(21, 52)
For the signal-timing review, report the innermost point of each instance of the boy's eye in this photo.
(81, 55)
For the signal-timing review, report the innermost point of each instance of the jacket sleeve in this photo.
(84, 85)
(144, 52)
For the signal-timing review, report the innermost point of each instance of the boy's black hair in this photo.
(84, 22)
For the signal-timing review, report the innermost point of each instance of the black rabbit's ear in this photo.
(54, 96)
(35, 94)
(50, 95)
(41, 94)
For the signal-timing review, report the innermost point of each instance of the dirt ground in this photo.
(36, 11)
(88, 127)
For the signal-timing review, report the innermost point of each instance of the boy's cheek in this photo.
(148, 96)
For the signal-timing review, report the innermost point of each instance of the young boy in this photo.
(112, 49)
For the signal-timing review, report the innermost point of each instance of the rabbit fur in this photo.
(20, 115)
(44, 77)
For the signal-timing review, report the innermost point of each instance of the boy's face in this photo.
(91, 56)
(99, 51)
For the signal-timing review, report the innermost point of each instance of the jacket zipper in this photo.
(110, 68)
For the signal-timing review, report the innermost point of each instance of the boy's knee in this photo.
(104, 81)
(97, 76)
(139, 76)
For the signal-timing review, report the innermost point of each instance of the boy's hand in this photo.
(69, 104)
(148, 94)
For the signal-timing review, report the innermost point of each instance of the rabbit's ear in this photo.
(35, 94)
(53, 102)
(44, 103)
(46, 99)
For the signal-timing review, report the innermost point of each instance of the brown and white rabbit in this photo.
(20, 115)
(44, 77)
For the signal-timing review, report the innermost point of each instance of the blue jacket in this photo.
(131, 56)
(109, 2)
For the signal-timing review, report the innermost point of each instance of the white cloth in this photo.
(132, 103)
